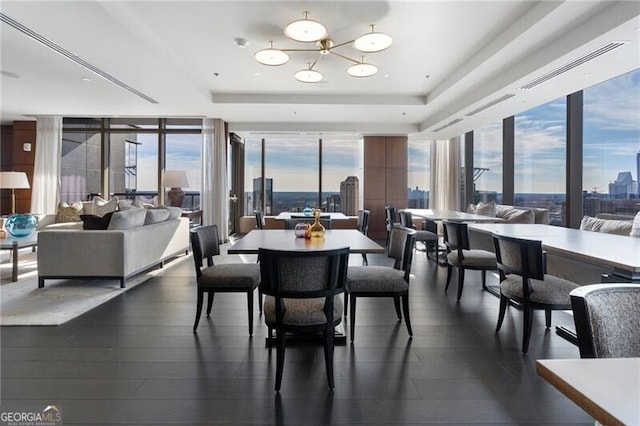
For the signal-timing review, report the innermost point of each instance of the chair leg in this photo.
(364, 259)
(484, 279)
(210, 295)
(504, 301)
(352, 307)
(250, 309)
(460, 281)
(405, 308)
(449, 270)
(396, 303)
(280, 343)
(547, 317)
(198, 308)
(328, 354)
(346, 303)
(260, 301)
(526, 334)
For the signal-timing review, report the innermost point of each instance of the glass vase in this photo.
(317, 229)
(20, 225)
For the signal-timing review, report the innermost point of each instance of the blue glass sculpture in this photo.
(308, 211)
(20, 225)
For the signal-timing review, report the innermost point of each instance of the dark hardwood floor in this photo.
(135, 361)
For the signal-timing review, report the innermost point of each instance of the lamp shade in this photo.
(14, 180)
(175, 179)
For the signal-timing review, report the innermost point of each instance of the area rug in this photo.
(23, 303)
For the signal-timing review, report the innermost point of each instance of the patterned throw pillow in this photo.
(635, 228)
(102, 206)
(68, 213)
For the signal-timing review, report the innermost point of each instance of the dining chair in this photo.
(302, 291)
(259, 219)
(363, 226)
(523, 279)
(384, 281)
(291, 223)
(607, 319)
(461, 256)
(223, 277)
(390, 218)
(428, 238)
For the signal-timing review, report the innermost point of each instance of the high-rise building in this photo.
(638, 172)
(349, 190)
(623, 186)
(257, 194)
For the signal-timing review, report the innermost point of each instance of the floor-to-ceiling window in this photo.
(611, 151)
(487, 163)
(183, 152)
(418, 173)
(342, 174)
(540, 158)
(80, 164)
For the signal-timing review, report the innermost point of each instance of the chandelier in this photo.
(308, 31)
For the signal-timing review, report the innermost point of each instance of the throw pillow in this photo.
(589, 223)
(93, 222)
(519, 216)
(68, 213)
(127, 219)
(486, 209)
(156, 215)
(618, 227)
(174, 212)
(635, 227)
(102, 207)
(471, 208)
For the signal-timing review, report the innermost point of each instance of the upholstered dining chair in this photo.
(384, 281)
(521, 265)
(259, 219)
(607, 319)
(291, 223)
(461, 256)
(428, 238)
(302, 291)
(363, 226)
(223, 277)
(390, 219)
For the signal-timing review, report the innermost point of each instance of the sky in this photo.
(611, 141)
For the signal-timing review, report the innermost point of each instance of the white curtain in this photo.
(214, 200)
(46, 171)
(445, 174)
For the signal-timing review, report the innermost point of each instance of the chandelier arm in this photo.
(342, 44)
(315, 62)
(344, 57)
(300, 50)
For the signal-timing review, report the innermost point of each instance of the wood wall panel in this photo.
(19, 161)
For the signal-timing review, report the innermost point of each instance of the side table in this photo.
(195, 217)
(14, 244)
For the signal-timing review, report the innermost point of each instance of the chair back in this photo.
(607, 319)
(204, 244)
(259, 219)
(406, 219)
(456, 236)
(401, 243)
(390, 216)
(519, 256)
(291, 223)
(303, 274)
(363, 221)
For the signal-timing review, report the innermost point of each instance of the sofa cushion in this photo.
(174, 212)
(127, 219)
(93, 222)
(486, 209)
(514, 215)
(68, 213)
(635, 227)
(101, 206)
(619, 227)
(155, 215)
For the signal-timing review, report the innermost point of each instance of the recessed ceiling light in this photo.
(241, 42)
(386, 76)
(9, 74)
(86, 79)
(256, 74)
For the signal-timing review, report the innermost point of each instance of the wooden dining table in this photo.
(285, 239)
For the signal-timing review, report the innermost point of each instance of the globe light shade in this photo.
(308, 76)
(271, 56)
(373, 42)
(362, 70)
(305, 30)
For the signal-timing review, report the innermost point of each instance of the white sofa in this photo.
(111, 253)
(511, 214)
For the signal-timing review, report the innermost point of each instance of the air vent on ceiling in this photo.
(490, 104)
(571, 65)
(78, 60)
(449, 124)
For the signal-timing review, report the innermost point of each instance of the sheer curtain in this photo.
(46, 171)
(214, 193)
(445, 174)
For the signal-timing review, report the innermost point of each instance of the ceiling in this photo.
(448, 59)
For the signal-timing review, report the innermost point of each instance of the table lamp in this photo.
(175, 180)
(13, 181)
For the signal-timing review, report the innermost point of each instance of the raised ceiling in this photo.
(448, 60)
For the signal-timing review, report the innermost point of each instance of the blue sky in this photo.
(611, 141)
